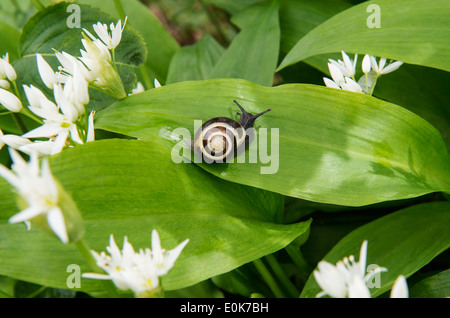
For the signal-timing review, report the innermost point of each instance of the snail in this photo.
(220, 138)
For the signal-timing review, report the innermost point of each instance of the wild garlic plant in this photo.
(343, 73)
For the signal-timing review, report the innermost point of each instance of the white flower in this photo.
(340, 81)
(400, 288)
(347, 279)
(156, 83)
(56, 124)
(111, 40)
(163, 260)
(381, 68)
(134, 271)
(4, 84)
(347, 67)
(97, 58)
(37, 187)
(67, 67)
(6, 69)
(10, 101)
(48, 76)
(366, 64)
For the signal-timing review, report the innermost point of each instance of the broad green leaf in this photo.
(253, 53)
(41, 34)
(297, 18)
(161, 45)
(10, 41)
(195, 62)
(421, 90)
(435, 286)
(129, 187)
(233, 6)
(334, 146)
(412, 31)
(403, 242)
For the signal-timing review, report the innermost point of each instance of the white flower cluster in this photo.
(343, 73)
(348, 278)
(37, 187)
(136, 271)
(64, 121)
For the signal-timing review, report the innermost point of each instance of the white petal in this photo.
(56, 222)
(381, 64)
(391, 67)
(26, 214)
(400, 288)
(351, 85)
(10, 72)
(46, 130)
(330, 83)
(91, 131)
(10, 101)
(59, 143)
(9, 176)
(156, 83)
(14, 141)
(45, 71)
(41, 147)
(336, 74)
(357, 288)
(96, 276)
(363, 258)
(374, 64)
(173, 254)
(4, 84)
(366, 64)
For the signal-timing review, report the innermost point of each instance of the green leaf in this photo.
(253, 53)
(420, 233)
(421, 90)
(196, 61)
(47, 31)
(9, 41)
(412, 31)
(161, 45)
(334, 146)
(129, 187)
(435, 286)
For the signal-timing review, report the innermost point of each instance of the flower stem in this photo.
(268, 278)
(119, 8)
(29, 114)
(299, 260)
(281, 275)
(19, 122)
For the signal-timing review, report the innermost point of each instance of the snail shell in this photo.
(220, 137)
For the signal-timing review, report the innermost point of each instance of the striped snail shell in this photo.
(219, 137)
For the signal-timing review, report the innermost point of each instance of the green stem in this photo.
(373, 85)
(146, 78)
(19, 122)
(120, 9)
(38, 5)
(212, 17)
(270, 281)
(281, 275)
(299, 260)
(29, 114)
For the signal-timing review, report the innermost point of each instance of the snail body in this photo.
(219, 138)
